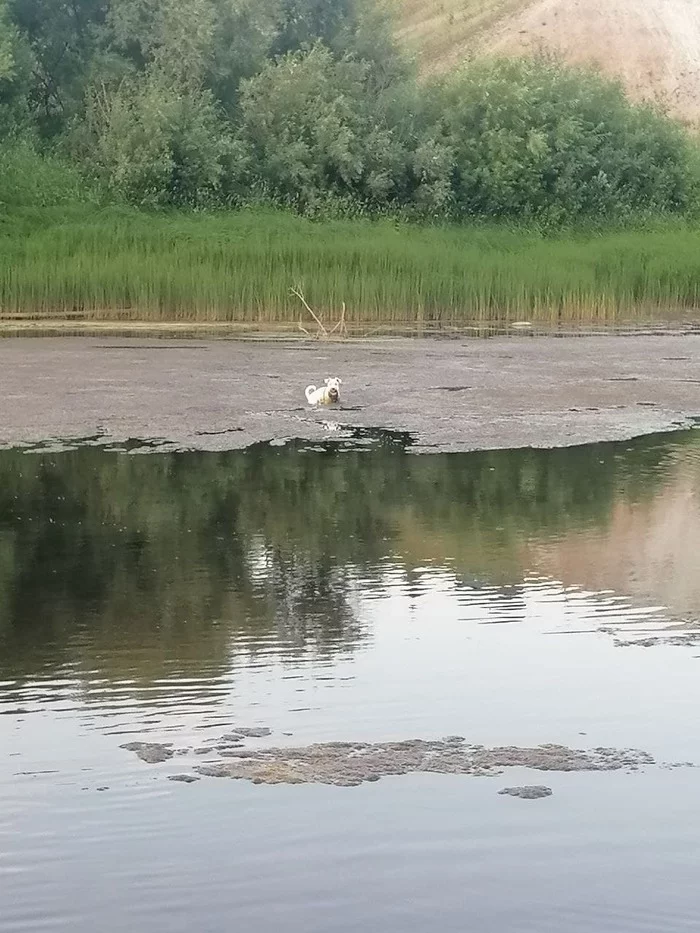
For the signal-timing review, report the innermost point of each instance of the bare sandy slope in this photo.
(442, 33)
(652, 45)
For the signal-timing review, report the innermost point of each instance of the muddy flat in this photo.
(450, 395)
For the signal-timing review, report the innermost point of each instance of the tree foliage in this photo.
(313, 130)
(15, 66)
(535, 138)
(7, 61)
(155, 142)
(312, 103)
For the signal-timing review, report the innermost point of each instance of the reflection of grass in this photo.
(240, 267)
(125, 562)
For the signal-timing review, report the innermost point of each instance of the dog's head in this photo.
(333, 388)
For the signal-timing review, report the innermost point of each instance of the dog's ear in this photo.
(327, 380)
(339, 381)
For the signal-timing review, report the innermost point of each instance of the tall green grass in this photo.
(240, 267)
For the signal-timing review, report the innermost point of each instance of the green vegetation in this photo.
(312, 104)
(240, 267)
(162, 159)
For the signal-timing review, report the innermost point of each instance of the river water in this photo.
(352, 591)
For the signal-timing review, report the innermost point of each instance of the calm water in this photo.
(356, 591)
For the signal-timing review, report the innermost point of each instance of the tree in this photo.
(155, 143)
(174, 36)
(303, 23)
(243, 41)
(7, 37)
(533, 138)
(15, 75)
(313, 130)
(63, 39)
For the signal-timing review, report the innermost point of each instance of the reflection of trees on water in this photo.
(121, 564)
(309, 601)
(649, 551)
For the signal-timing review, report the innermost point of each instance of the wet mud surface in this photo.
(446, 394)
(348, 764)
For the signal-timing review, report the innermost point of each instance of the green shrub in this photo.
(153, 143)
(29, 179)
(532, 138)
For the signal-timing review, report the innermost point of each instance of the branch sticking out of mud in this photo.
(322, 331)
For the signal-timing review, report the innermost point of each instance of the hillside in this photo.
(652, 45)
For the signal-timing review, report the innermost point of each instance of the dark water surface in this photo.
(348, 592)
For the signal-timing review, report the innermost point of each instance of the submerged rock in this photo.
(150, 752)
(528, 791)
(184, 778)
(236, 736)
(250, 732)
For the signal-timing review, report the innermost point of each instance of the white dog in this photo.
(330, 392)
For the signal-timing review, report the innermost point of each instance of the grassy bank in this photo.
(241, 267)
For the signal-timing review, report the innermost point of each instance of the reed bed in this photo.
(242, 267)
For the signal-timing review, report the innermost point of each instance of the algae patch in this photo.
(352, 763)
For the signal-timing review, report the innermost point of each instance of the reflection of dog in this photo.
(330, 392)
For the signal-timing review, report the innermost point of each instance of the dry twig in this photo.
(300, 295)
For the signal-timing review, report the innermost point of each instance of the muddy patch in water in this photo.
(527, 792)
(150, 752)
(348, 764)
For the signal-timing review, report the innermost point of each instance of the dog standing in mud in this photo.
(327, 394)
